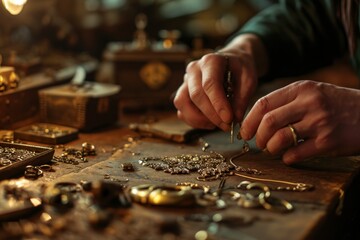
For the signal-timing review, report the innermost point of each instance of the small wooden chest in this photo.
(148, 77)
(90, 106)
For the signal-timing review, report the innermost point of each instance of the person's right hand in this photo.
(201, 99)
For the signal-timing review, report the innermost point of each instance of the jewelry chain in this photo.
(297, 186)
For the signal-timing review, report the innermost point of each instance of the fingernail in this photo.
(289, 158)
(225, 116)
(244, 134)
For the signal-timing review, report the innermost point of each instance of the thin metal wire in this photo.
(246, 149)
(297, 184)
(229, 90)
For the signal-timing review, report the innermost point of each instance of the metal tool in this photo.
(229, 90)
(220, 188)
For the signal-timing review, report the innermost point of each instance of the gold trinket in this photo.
(127, 167)
(88, 149)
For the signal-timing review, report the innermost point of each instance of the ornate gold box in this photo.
(85, 107)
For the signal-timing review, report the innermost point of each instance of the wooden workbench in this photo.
(315, 212)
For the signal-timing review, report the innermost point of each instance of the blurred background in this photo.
(142, 46)
(89, 25)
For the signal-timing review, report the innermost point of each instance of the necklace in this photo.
(214, 166)
(292, 186)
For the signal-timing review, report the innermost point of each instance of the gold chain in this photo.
(245, 149)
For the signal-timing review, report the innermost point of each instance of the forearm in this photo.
(299, 36)
(252, 45)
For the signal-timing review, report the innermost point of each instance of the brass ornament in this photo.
(3, 84)
(8, 79)
(14, 80)
(155, 74)
(163, 195)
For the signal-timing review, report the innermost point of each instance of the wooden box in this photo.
(20, 106)
(148, 77)
(88, 107)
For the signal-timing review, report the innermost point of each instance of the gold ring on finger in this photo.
(294, 134)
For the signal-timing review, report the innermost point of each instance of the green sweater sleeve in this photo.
(299, 35)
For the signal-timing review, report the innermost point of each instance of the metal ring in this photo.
(243, 185)
(5, 162)
(68, 187)
(204, 188)
(40, 173)
(163, 195)
(172, 196)
(30, 175)
(46, 167)
(233, 195)
(263, 187)
(275, 204)
(294, 134)
(141, 193)
(248, 201)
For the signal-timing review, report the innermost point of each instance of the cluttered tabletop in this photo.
(91, 147)
(156, 178)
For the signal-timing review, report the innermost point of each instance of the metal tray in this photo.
(42, 155)
(55, 134)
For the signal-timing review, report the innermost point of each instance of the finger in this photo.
(245, 83)
(196, 121)
(181, 96)
(283, 139)
(201, 100)
(188, 112)
(301, 152)
(275, 120)
(264, 105)
(213, 72)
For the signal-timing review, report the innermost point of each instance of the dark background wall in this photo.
(89, 25)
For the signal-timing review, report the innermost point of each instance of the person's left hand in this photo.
(325, 117)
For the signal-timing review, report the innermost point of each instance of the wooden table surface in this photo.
(315, 212)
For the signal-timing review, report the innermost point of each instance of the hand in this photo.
(201, 99)
(326, 117)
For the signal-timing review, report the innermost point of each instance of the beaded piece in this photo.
(10, 155)
(207, 165)
(44, 130)
(75, 156)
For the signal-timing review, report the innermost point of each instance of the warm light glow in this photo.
(14, 6)
(35, 201)
(45, 217)
(167, 43)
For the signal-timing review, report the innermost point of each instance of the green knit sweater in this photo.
(300, 36)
